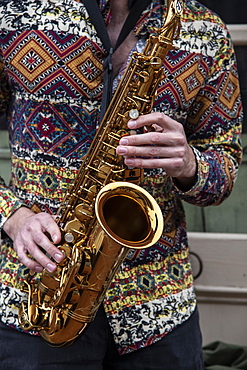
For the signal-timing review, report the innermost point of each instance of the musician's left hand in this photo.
(166, 148)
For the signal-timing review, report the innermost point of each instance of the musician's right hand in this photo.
(30, 232)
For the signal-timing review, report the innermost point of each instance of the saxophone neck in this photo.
(171, 27)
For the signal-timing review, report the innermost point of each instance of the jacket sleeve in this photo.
(8, 201)
(216, 117)
(4, 88)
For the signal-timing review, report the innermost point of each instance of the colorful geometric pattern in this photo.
(146, 283)
(51, 64)
(58, 129)
(36, 63)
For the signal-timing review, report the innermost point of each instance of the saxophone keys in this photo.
(144, 76)
(24, 316)
(83, 212)
(73, 231)
(69, 237)
(66, 250)
(134, 113)
(103, 172)
(133, 132)
(156, 62)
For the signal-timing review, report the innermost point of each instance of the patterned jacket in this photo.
(51, 84)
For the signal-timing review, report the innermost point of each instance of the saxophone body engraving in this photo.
(105, 212)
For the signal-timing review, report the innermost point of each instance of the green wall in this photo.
(228, 217)
(4, 156)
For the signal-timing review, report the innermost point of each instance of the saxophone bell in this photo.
(129, 215)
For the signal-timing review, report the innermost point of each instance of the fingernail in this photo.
(123, 141)
(122, 150)
(55, 238)
(129, 161)
(58, 257)
(38, 269)
(50, 267)
(132, 124)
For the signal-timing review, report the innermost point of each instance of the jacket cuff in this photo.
(202, 175)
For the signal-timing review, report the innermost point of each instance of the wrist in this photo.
(189, 177)
(15, 219)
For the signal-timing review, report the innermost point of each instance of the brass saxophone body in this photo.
(105, 212)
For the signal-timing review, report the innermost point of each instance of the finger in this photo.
(171, 139)
(42, 259)
(154, 119)
(25, 259)
(164, 151)
(149, 138)
(49, 226)
(36, 232)
(32, 238)
(30, 254)
(44, 242)
(41, 222)
(172, 167)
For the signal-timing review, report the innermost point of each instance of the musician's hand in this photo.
(166, 147)
(29, 231)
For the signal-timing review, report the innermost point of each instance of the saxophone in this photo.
(104, 213)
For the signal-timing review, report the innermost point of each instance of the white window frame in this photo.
(238, 33)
